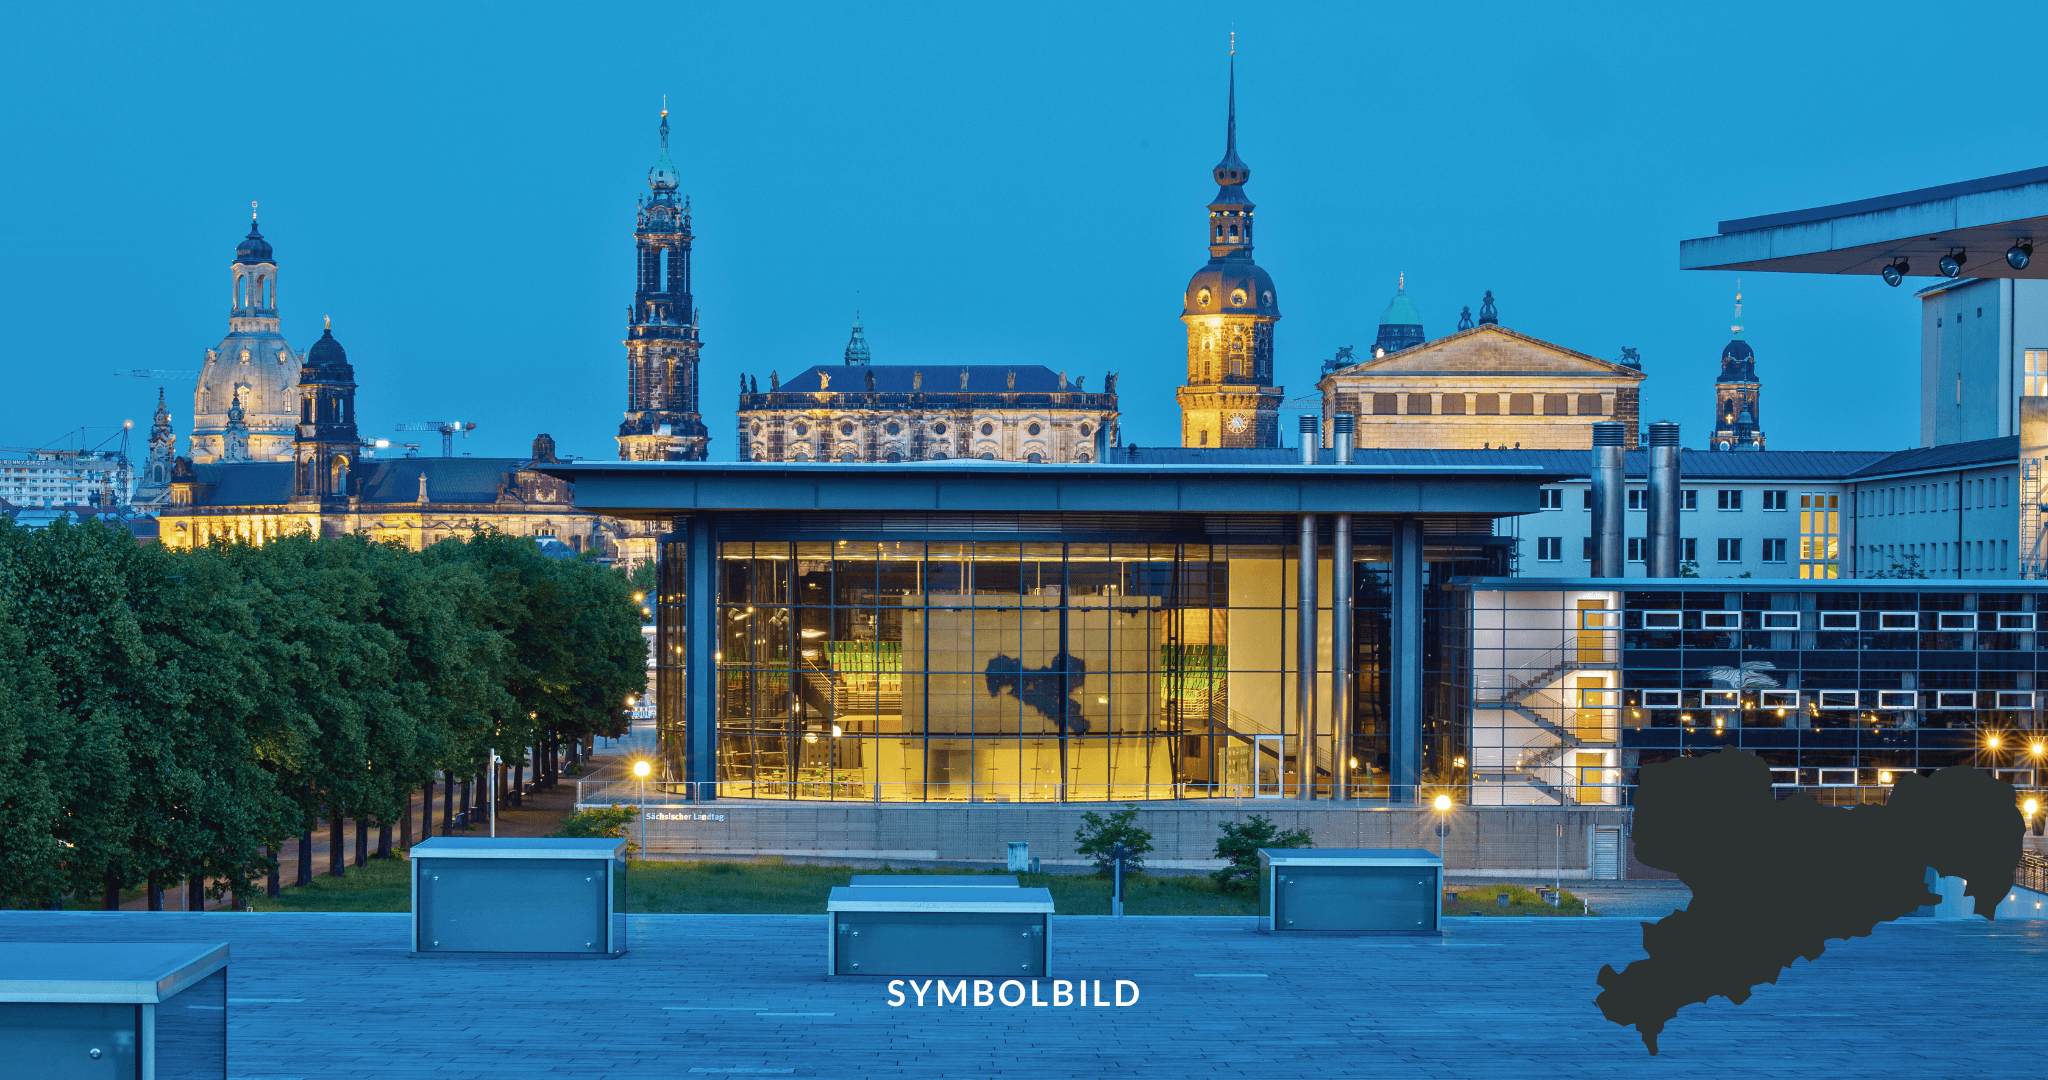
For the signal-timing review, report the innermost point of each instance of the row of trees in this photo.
(169, 715)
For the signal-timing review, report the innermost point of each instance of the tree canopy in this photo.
(175, 714)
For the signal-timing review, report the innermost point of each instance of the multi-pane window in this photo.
(1820, 529)
(1588, 549)
(1550, 499)
(1729, 498)
(1688, 550)
(1586, 499)
(1638, 549)
(1589, 405)
(1728, 549)
(1638, 499)
(1419, 405)
(1521, 404)
(1556, 405)
(2037, 373)
(1774, 549)
(1689, 499)
(1385, 404)
(1774, 500)
(1549, 549)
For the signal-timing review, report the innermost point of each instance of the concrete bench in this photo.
(475, 896)
(930, 931)
(1350, 891)
(114, 1011)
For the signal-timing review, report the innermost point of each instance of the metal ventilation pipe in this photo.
(1609, 508)
(1345, 424)
(1663, 532)
(1311, 437)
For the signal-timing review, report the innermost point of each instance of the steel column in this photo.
(1305, 658)
(1404, 675)
(1342, 580)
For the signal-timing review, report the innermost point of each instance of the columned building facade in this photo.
(662, 419)
(1230, 310)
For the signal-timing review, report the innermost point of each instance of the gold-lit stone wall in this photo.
(1485, 387)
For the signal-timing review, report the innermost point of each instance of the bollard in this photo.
(1020, 856)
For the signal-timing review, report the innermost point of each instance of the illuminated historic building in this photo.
(662, 422)
(1737, 395)
(862, 412)
(1488, 386)
(330, 489)
(1230, 309)
(253, 363)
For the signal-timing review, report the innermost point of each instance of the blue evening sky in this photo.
(987, 184)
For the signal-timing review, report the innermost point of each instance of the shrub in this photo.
(1097, 834)
(1240, 843)
(602, 823)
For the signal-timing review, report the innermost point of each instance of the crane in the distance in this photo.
(158, 373)
(447, 428)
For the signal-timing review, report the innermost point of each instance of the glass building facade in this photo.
(1007, 671)
(1839, 686)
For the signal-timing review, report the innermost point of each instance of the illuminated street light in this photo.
(1884, 776)
(1443, 802)
(641, 769)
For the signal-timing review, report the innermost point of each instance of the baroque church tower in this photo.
(1230, 308)
(662, 422)
(327, 443)
(1738, 394)
(253, 363)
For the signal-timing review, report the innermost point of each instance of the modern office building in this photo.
(1574, 684)
(905, 632)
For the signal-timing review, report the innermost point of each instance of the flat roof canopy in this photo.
(662, 489)
(1981, 217)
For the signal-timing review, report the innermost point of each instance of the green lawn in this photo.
(771, 888)
(379, 885)
(1485, 900)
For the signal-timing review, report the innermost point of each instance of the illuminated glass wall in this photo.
(1010, 671)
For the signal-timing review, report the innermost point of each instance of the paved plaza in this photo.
(334, 996)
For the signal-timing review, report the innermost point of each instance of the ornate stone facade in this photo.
(1229, 309)
(1484, 387)
(662, 422)
(891, 412)
(253, 363)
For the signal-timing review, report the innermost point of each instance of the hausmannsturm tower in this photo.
(1230, 309)
(662, 422)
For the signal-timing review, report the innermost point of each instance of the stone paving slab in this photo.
(334, 996)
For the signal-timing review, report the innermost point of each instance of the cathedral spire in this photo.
(663, 177)
(857, 354)
(1737, 328)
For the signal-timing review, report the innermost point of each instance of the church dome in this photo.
(326, 362)
(1231, 287)
(253, 248)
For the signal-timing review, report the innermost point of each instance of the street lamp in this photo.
(640, 770)
(1442, 803)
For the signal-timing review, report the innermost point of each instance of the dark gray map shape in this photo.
(1773, 880)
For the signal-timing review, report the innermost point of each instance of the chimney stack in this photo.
(1311, 437)
(1663, 532)
(1609, 485)
(1344, 429)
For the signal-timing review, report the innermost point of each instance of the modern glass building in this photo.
(993, 632)
(1841, 686)
(975, 631)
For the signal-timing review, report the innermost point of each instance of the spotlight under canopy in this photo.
(2019, 255)
(1896, 272)
(1952, 263)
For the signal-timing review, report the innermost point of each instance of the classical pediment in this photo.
(1490, 350)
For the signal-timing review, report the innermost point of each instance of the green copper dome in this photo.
(1400, 312)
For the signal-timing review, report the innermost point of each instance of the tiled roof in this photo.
(1952, 456)
(938, 379)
